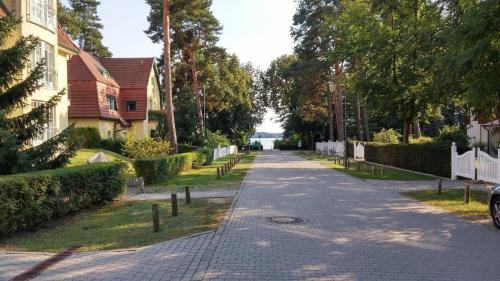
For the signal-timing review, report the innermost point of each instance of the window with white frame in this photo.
(46, 51)
(43, 13)
(49, 130)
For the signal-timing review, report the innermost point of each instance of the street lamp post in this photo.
(345, 127)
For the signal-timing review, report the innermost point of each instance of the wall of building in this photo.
(105, 127)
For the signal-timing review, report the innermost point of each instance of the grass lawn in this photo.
(453, 200)
(83, 155)
(364, 171)
(123, 225)
(205, 177)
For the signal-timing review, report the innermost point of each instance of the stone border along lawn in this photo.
(122, 225)
(205, 177)
(365, 172)
(452, 200)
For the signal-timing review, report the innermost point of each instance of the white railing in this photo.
(466, 165)
(488, 168)
(359, 150)
(224, 151)
(334, 148)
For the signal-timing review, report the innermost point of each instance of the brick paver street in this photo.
(352, 230)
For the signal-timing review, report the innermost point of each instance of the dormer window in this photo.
(106, 73)
(112, 103)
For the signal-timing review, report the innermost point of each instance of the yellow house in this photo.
(114, 95)
(39, 19)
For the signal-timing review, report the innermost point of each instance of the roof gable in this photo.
(65, 42)
(131, 73)
(3, 10)
(98, 71)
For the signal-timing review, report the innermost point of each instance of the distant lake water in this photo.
(267, 143)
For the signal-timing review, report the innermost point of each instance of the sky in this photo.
(256, 30)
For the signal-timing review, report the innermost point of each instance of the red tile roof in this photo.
(130, 73)
(128, 81)
(66, 42)
(3, 10)
(98, 71)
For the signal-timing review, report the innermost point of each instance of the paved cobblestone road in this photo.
(352, 230)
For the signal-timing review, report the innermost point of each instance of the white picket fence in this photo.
(359, 150)
(466, 165)
(224, 151)
(333, 148)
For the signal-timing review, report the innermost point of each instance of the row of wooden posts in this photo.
(466, 190)
(359, 165)
(175, 209)
(228, 166)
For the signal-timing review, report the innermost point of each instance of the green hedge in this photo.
(158, 169)
(31, 199)
(184, 148)
(430, 158)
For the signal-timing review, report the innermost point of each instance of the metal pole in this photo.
(345, 127)
(204, 110)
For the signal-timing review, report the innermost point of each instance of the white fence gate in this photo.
(467, 164)
(223, 151)
(335, 148)
(359, 151)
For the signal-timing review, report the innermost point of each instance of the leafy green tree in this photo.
(193, 29)
(471, 64)
(17, 131)
(82, 23)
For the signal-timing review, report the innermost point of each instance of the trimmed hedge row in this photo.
(158, 169)
(430, 158)
(31, 199)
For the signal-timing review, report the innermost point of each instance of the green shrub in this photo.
(85, 137)
(214, 139)
(430, 158)
(31, 199)
(421, 140)
(183, 148)
(286, 144)
(387, 136)
(450, 134)
(158, 169)
(145, 147)
(209, 155)
(115, 145)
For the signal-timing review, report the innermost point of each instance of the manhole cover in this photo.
(284, 220)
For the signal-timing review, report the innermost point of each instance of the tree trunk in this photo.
(330, 117)
(416, 127)
(407, 130)
(196, 89)
(365, 118)
(169, 105)
(358, 118)
(339, 111)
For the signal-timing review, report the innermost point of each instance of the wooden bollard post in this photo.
(156, 217)
(348, 163)
(175, 210)
(218, 172)
(222, 172)
(373, 169)
(382, 171)
(467, 194)
(440, 185)
(188, 195)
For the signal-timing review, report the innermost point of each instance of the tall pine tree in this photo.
(83, 24)
(16, 132)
